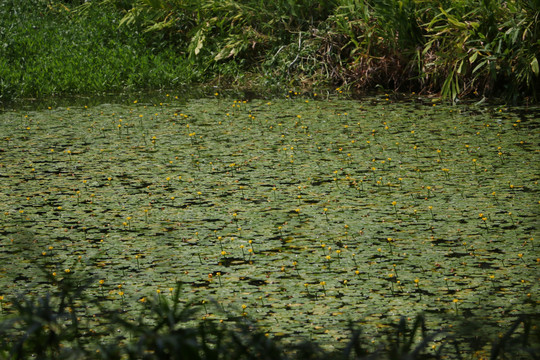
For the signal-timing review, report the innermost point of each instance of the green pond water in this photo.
(301, 214)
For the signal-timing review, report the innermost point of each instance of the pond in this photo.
(298, 212)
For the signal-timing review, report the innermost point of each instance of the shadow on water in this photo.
(143, 96)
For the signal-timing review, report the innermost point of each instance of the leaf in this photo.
(230, 50)
(160, 25)
(427, 47)
(452, 20)
(197, 42)
(450, 86)
(479, 66)
(534, 66)
(460, 67)
(473, 57)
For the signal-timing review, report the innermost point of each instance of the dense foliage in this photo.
(454, 48)
(48, 328)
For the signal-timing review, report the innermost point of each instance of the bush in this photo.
(53, 327)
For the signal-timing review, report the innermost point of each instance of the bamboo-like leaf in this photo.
(452, 19)
(473, 57)
(475, 25)
(161, 25)
(460, 67)
(534, 66)
(427, 47)
(445, 90)
(450, 88)
(130, 17)
(231, 49)
(479, 66)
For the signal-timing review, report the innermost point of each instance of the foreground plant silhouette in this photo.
(168, 327)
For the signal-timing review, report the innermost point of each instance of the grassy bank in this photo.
(47, 50)
(456, 49)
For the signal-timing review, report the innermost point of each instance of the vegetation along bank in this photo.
(458, 49)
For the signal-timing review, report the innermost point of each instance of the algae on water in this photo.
(309, 212)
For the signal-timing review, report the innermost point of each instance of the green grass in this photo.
(48, 52)
(300, 213)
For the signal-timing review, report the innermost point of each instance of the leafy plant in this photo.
(48, 329)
